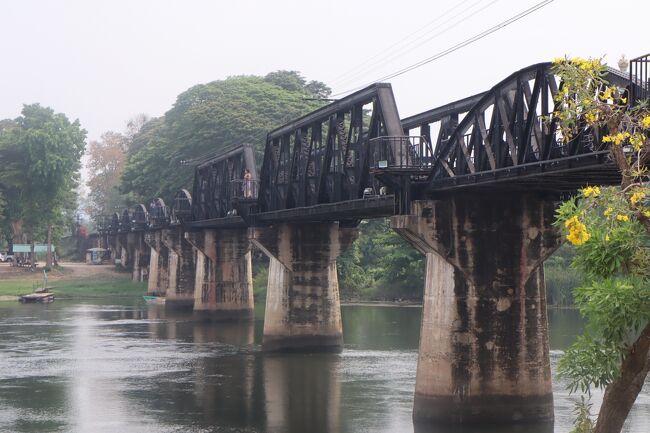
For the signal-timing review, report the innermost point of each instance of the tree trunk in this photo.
(32, 256)
(49, 246)
(621, 394)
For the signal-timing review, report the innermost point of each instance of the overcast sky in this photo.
(106, 61)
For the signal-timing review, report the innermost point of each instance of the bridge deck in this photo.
(372, 207)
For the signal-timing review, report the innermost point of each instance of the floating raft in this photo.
(37, 297)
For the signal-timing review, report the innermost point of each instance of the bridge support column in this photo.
(141, 253)
(111, 244)
(158, 281)
(303, 310)
(124, 250)
(223, 288)
(484, 353)
(180, 292)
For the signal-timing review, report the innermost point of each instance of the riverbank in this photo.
(70, 281)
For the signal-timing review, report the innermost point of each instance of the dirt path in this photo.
(67, 271)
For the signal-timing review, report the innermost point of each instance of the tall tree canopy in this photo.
(106, 158)
(41, 153)
(205, 119)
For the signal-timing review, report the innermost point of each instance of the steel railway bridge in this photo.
(471, 184)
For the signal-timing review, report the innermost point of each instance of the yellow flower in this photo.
(616, 139)
(558, 60)
(637, 197)
(571, 221)
(637, 141)
(578, 234)
(591, 117)
(607, 94)
(606, 238)
(645, 122)
(608, 211)
(621, 217)
(646, 213)
(591, 191)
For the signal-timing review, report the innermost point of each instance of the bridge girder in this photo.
(323, 157)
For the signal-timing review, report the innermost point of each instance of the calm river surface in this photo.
(83, 367)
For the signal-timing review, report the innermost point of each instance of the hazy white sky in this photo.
(105, 61)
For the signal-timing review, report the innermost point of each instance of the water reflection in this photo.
(302, 393)
(104, 368)
(525, 428)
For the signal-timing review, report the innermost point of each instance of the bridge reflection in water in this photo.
(116, 368)
(471, 184)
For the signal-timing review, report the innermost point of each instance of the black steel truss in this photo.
(323, 165)
(213, 192)
(505, 132)
(323, 157)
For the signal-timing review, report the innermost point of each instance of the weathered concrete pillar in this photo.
(182, 259)
(112, 244)
(125, 249)
(141, 253)
(303, 310)
(223, 288)
(158, 281)
(484, 354)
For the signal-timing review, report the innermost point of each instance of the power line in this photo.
(409, 47)
(454, 47)
(397, 44)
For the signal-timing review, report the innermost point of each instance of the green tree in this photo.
(381, 265)
(610, 231)
(43, 152)
(207, 118)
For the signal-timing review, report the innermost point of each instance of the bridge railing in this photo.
(640, 78)
(395, 152)
(243, 189)
(159, 217)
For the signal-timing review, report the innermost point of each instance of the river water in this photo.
(87, 367)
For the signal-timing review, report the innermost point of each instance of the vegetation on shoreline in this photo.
(100, 287)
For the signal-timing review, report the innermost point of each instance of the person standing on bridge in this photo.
(248, 184)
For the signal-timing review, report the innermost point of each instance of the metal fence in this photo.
(639, 78)
(401, 152)
(159, 216)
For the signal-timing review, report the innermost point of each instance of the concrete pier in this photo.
(158, 282)
(484, 353)
(303, 311)
(141, 255)
(124, 249)
(180, 291)
(223, 288)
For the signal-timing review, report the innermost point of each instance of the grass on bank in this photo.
(77, 289)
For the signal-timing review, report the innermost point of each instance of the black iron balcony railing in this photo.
(244, 189)
(639, 78)
(401, 153)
